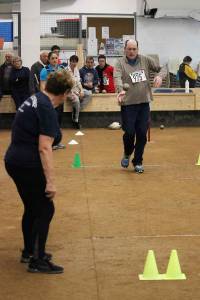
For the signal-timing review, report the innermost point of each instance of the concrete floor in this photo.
(108, 218)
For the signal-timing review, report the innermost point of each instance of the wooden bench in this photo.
(108, 103)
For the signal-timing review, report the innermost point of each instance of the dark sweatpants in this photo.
(59, 111)
(135, 120)
(38, 209)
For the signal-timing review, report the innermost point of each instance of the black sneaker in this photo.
(58, 146)
(76, 125)
(26, 257)
(44, 266)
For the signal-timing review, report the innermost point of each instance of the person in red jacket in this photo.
(105, 72)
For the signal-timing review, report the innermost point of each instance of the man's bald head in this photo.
(44, 57)
(8, 57)
(131, 49)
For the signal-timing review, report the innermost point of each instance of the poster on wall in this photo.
(105, 32)
(92, 47)
(110, 46)
(92, 33)
(118, 46)
(114, 47)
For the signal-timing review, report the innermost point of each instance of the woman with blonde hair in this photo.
(19, 81)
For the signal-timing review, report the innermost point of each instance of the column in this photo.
(30, 31)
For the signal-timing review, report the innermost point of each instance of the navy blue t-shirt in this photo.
(35, 117)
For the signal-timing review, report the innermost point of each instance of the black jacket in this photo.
(34, 83)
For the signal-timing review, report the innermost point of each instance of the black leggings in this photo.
(38, 208)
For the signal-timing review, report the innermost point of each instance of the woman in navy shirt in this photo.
(29, 162)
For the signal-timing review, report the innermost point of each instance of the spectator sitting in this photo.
(56, 49)
(89, 76)
(77, 94)
(5, 71)
(19, 80)
(52, 67)
(187, 73)
(105, 73)
(35, 72)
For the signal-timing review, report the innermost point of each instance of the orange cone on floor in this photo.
(150, 268)
(174, 270)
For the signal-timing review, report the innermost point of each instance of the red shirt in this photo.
(106, 78)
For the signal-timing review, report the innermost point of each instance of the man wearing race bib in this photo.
(132, 81)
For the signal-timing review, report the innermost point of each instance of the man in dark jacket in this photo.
(89, 76)
(36, 68)
(5, 71)
(89, 80)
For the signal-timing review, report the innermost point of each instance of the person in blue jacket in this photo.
(52, 67)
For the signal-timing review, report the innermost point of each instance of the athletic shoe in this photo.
(58, 146)
(125, 161)
(76, 125)
(61, 146)
(26, 257)
(139, 168)
(44, 266)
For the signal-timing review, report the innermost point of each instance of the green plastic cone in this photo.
(198, 162)
(150, 268)
(77, 161)
(174, 269)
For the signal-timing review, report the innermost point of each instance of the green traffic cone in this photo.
(77, 161)
(174, 269)
(150, 268)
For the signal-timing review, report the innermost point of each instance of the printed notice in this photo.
(105, 32)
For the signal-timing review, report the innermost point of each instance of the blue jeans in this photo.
(135, 122)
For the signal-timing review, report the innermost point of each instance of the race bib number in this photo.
(105, 80)
(138, 76)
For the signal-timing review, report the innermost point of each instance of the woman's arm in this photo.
(46, 156)
(42, 85)
(43, 79)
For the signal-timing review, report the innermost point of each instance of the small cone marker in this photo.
(150, 268)
(79, 133)
(73, 142)
(174, 269)
(77, 161)
(198, 162)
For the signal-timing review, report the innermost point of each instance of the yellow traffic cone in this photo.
(150, 268)
(174, 269)
(198, 162)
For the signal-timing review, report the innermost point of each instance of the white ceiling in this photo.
(174, 4)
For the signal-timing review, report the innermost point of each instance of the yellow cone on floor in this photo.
(150, 268)
(198, 162)
(77, 161)
(174, 270)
